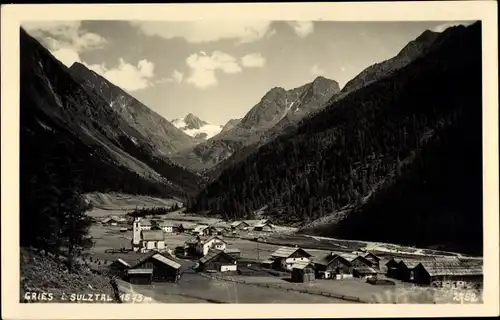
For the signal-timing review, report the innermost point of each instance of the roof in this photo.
(109, 219)
(145, 222)
(261, 225)
(237, 223)
(326, 259)
(212, 254)
(153, 235)
(140, 271)
(232, 250)
(300, 266)
(123, 262)
(365, 270)
(412, 263)
(192, 240)
(166, 224)
(285, 252)
(450, 268)
(204, 240)
(166, 261)
(373, 255)
(349, 256)
(200, 228)
(267, 261)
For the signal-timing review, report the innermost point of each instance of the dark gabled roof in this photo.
(450, 268)
(213, 254)
(150, 255)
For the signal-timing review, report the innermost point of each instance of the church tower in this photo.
(136, 238)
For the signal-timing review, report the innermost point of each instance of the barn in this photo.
(375, 261)
(139, 276)
(266, 227)
(392, 268)
(164, 268)
(303, 272)
(119, 268)
(448, 274)
(239, 225)
(331, 265)
(217, 261)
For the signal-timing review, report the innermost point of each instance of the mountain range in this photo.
(78, 122)
(384, 159)
(387, 161)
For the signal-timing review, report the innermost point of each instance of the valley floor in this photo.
(258, 285)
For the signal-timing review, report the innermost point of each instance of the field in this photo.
(254, 284)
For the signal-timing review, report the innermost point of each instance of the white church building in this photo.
(145, 240)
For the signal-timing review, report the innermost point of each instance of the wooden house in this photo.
(165, 269)
(119, 268)
(375, 261)
(448, 274)
(110, 222)
(201, 230)
(139, 276)
(392, 268)
(303, 272)
(356, 260)
(364, 272)
(217, 261)
(266, 227)
(167, 226)
(285, 257)
(331, 265)
(239, 225)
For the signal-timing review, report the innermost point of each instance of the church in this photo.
(144, 240)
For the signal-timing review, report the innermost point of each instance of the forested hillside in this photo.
(375, 147)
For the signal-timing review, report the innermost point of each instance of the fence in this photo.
(280, 287)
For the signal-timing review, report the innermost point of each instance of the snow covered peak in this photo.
(195, 127)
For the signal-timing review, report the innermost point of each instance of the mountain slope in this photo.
(338, 161)
(74, 132)
(196, 128)
(160, 133)
(410, 52)
(276, 106)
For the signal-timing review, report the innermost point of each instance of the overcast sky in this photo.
(218, 71)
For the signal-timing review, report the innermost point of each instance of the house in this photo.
(119, 268)
(217, 261)
(166, 226)
(165, 269)
(139, 276)
(331, 265)
(201, 230)
(303, 272)
(239, 225)
(405, 269)
(233, 252)
(267, 227)
(392, 268)
(144, 224)
(356, 260)
(110, 222)
(152, 240)
(267, 264)
(213, 242)
(375, 261)
(364, 272)
(448, 274)
(285, 257)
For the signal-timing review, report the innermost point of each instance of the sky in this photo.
(220, 70)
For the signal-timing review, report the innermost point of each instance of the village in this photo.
(158, 254)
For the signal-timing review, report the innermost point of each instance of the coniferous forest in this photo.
(402, 152)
